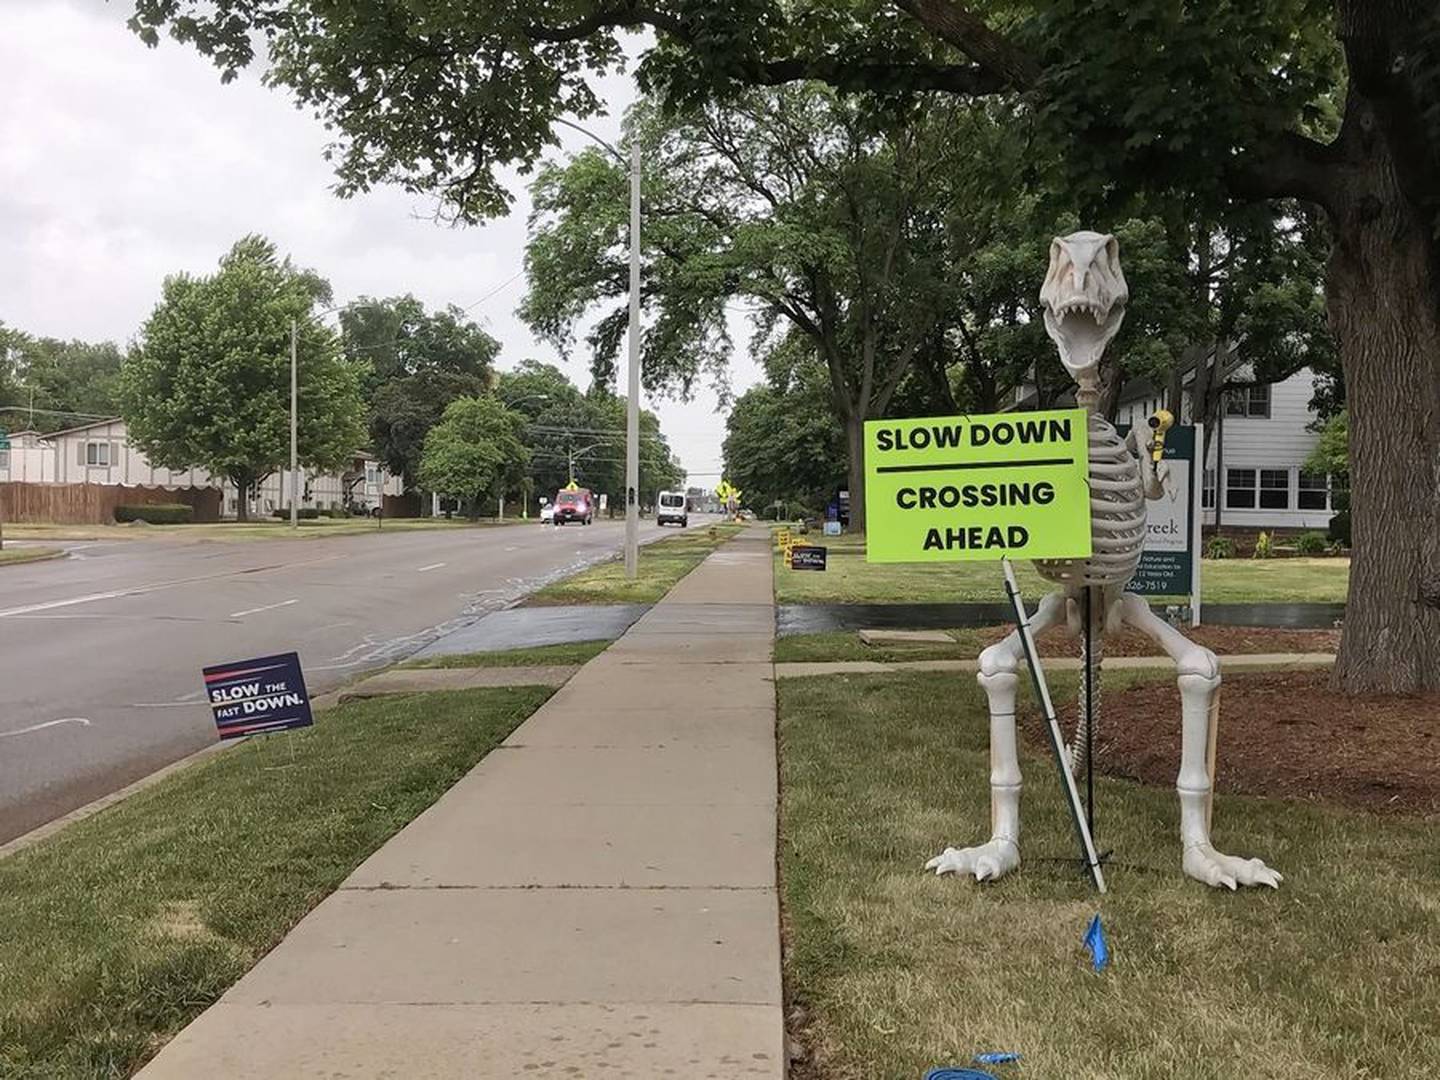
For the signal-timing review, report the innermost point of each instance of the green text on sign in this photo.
(977, 487)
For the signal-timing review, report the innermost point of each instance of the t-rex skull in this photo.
(1084, 296)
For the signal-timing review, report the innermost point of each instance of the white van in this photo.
(671, 507)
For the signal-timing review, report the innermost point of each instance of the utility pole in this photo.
(632, 407)
(294, 424)
(632, 404)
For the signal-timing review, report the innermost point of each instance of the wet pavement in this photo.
(529, 627)
(818, 618)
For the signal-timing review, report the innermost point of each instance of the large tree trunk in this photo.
(855, 447)
(1383, 296)
(242, 503)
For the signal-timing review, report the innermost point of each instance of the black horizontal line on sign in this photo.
(975, 465)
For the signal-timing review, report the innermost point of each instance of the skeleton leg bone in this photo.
(1199, 681)
(999, 677)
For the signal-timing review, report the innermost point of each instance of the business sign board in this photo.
(257, 697)
(950, 488)
(808, 557)
(1170, 562)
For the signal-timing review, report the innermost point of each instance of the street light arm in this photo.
(592, 136)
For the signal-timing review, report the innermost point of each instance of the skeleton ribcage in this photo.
(1117, 515)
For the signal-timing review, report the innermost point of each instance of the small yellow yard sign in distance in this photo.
(950, 488)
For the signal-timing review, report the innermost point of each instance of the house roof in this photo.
(84, 427)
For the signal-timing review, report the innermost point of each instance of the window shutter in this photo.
(80, 458)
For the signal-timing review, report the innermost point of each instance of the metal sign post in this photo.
(1057, 739)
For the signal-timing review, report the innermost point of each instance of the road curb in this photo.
(59, 553)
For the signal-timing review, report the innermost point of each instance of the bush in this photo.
(1264, 549)
(306, 513)
(157, 513)
(1220, 547)
(1339, 530)
(1311, 543)
(337, 512)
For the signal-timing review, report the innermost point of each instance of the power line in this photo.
(497, 290)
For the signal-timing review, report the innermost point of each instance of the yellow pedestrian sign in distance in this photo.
(950, 488)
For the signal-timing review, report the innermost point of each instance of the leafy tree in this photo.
(1335, 103)
(564, 423)
(417, 362)
(476, 452)
(208, 384)
(10, 343)
(806, 204)
(781, 441)
(71, 381)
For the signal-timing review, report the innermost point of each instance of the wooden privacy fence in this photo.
(94, 504)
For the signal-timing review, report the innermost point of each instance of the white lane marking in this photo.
(51, 604)
(256, 610)
(142, 590)
(46, 724)
(432, 566)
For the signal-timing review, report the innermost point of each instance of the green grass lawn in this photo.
(661, 565)
(123, 927)
(574, 652)
(14, 556)
(1335, 975)
(849, 579)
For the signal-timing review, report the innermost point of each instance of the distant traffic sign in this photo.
(977, 487)
(258, 697)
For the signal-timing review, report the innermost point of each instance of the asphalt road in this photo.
(100, 653)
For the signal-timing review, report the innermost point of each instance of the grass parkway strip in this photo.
(118, 931)
(849, 579)
(661, 565)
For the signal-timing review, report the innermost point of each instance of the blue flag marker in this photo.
(1095, 942)
(996, 1059)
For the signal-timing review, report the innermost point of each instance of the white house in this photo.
(1255, 464)
(101, 453)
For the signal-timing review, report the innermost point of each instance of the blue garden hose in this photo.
(960, 1074)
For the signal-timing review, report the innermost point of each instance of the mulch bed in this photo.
(1220, 639)
(1283, 734)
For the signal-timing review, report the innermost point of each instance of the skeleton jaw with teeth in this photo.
(1084, 296)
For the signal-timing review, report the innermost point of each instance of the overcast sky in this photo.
(121, 164)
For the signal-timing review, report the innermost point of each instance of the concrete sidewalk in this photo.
(596, 898)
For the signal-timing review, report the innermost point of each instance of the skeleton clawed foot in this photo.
(1208, 866)
(987, 862)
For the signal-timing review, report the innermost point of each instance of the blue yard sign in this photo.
(257, 697)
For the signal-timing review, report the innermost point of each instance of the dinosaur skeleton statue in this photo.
(1084, 297)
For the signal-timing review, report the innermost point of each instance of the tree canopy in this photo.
(416, 363)
(208, 384)
(1335, 103)
(476, 452)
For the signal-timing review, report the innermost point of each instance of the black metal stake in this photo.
(1089, 718)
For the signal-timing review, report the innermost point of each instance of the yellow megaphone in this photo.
(1160, 423)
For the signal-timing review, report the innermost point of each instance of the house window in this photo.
(1314, 491)
(1251, 401)
(4, 459)
(1240, 489)
(97, 453)
(1275, 489)
(1207, 490)
(372, 474)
